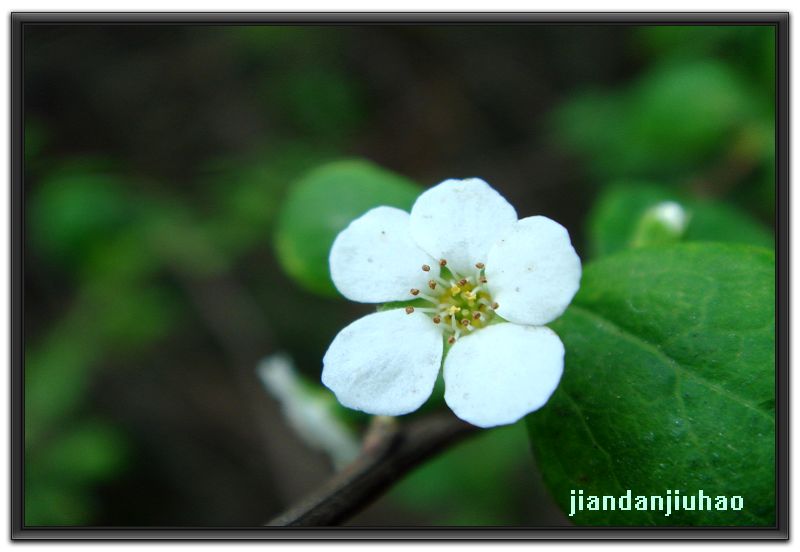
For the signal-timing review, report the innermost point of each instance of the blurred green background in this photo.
(157, 163)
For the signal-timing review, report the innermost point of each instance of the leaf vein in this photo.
(630, 336)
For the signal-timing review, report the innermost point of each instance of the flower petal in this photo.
(384, 363)
(374, 259)
(459, 220)
(499, 374)
(533, 271)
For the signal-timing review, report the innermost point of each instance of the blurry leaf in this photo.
(750, 48)
(245, 192)
(182, 242)
(669, 383)
(124, 259)
(614, 219)
(56, 378)
(322, 103)
(72, 212)
(80, 456)
(674, 116)
(49, 504)
(478, 482)
(713, 221)
(685, 108)
(105, 318)
(129, 318)
(594, 125)
(323, 203)
(757, 193)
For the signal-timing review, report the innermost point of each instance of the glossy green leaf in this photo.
(668, 384)
(322, 204)
(618, 212)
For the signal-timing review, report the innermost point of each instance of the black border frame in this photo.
(780, 20)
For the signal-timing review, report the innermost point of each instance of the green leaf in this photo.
(81, 455)
(76, 209)
(618, 213)
(57, 375)
(52, 504)
(245, 192)
(321, 205)
(322, 103)
(668, 384)
(674, 116)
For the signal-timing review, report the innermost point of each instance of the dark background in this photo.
(156, 162)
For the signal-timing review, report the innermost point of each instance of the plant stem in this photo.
(390, 451)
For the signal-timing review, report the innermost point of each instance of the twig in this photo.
(390, 451)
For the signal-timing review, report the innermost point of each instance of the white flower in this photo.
(490, 282)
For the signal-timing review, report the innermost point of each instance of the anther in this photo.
(443, 262)
(464, 322)
(495, 306)
(426, 268)
(476, 315)
(437, 319)
(409, 310)
(483, 279)
(414, 291)
(451, 339)
(462, 282)
(432, 284)
(479, 266)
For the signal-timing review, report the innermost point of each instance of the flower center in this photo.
(461, 303)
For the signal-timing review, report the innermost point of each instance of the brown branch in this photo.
(390, 451)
